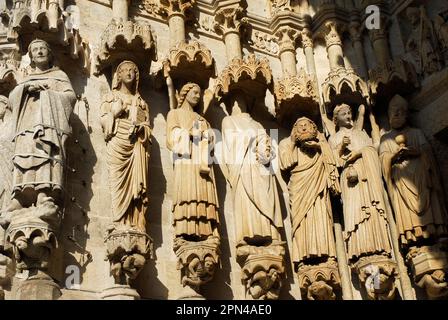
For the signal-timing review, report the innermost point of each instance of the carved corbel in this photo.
(262, 270)
(319, 282)
(197, 261)
(378, 274)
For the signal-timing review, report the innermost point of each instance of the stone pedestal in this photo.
(429, 265)
(197, 261)
(378, 273)
(319, 282)
(120, 292)
(38, 287)
(262, 270)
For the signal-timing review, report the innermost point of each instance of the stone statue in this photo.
(247, 154)
(421, 44)
(412, 179)
(41, 107)
(308, 158)
(125, 122)
(363, 200)
(195, 202)
(190, 137)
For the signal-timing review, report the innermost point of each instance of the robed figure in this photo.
(307, 157)
(125, 122)
(247, 154)
(41, 107)
(191, 140)
(363, 195)
(412, 178)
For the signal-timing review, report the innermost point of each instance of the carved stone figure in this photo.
(126, 127)
(412, 178)
(362, 188)
(421, 44)
(309, 159)
(247, 154)
(307, 156)
(364, 204)
(194, 198)
(41, 107)
(195, 202)
(125, 122)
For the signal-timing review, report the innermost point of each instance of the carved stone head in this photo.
(127, 73)
(40, 54)
(304, 130)
(398, 112)
(191, 93)
(342, 116)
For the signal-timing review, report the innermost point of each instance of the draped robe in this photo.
(254, 190)
(194, 196)
(41, 127)
(414, 188)
(128, 159)
(364, 206)
(313, 174)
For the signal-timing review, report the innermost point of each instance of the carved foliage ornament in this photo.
(229, 19)
(170, 7)
(319, 282)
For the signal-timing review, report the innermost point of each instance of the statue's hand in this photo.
(117, 108)
(312, 144)
(107, 122)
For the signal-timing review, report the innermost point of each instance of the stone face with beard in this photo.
(304, 130)
(312, 176)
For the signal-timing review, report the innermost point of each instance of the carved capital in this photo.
(331, 34)
(319, 282)
(127, 251)
(307, 38)
(378, 275)
(229, 19)
(176, 7)
(262, 270)
(286, 37)
(197, 261)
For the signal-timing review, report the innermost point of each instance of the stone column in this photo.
(286, 39)
(378, 37)
(334, 46)
(308, 49)
(356, 36)
(176, 10)
(53, 14)
(120, 9)
(228, 22)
